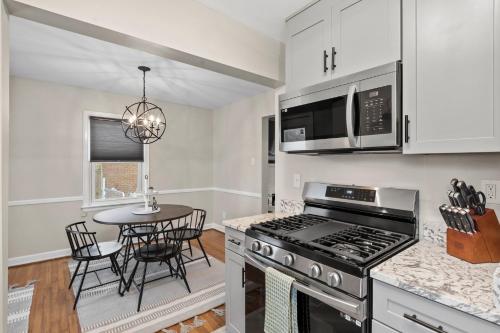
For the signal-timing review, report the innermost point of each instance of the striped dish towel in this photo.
(281, 303)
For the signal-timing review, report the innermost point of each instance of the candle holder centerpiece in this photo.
(150, 203)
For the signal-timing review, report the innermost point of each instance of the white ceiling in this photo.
(265, 16)
(46, 53)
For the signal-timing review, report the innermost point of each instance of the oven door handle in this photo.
(349, 116)
(316, 293)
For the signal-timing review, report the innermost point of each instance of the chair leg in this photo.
(169, 266)
(183, 276)
(81, 284)
(142, 286)
(131, 278)
(126, 255)
(190, 248)
(204, 253)
(74, 274)
(114, 262)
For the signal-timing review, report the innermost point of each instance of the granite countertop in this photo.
(243, 223)
(426, 269)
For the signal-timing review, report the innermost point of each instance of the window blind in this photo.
(108, 143)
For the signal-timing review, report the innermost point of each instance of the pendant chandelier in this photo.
(143, 122)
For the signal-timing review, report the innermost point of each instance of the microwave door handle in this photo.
(349, 115)
(335, 302)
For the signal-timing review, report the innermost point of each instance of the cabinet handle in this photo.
(414, 319)
(333, 58)
(325, 57)
(234, 241)
(243, 277)
(407, 122)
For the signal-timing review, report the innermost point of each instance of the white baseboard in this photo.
(214, 226)
(32, 258)
(16, 261)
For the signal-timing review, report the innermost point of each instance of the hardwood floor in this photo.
(52, 307)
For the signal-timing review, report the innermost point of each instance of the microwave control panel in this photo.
(350, 193)
(375, 111)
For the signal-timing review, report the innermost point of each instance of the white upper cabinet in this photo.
(451, 75)
(333, 38)
(308, 44)
(366, 34)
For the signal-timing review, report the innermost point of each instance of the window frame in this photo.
(89, 168)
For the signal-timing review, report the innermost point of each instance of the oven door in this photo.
(321, 121)
(318, 311)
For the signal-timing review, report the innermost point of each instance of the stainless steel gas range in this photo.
(329, 250)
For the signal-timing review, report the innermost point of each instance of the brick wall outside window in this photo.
(119, 176)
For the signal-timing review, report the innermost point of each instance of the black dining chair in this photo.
(162, 245)
(195, 223)
(85, 248)
(127, 233)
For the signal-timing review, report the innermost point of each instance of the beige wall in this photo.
(183, 30)
(237, 154)
(46, 159)
(4, 165)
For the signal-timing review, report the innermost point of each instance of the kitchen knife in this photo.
(465, 222)
(471, 221)
(444, 214)
(452, 199)
(451, 218)
(466, 195)
(460, 200)
(458, 219)
(454, 186)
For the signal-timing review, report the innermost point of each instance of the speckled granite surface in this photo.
(427, 270)
(243, 223)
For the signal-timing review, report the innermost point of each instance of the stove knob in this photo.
(334, 279)
(314, 271)
(288, 260)
(267, 250)
(255, 246)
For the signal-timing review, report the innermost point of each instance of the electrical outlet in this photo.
(489, 188)
(296, 180)
(224, 214)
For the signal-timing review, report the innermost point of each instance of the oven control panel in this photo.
(350, 193)
(375, 111)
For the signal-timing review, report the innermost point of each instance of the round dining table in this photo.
(124, 216)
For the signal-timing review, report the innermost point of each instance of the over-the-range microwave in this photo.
(355, 113)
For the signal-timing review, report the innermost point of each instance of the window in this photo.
(114, 166)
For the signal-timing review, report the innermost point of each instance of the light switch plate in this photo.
(296, 180)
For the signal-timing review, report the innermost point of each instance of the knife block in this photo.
(480, 247)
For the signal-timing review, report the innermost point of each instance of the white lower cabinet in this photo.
(381, 328)
(396, 310)
(235, 288)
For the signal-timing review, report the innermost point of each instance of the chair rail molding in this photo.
(41, 201)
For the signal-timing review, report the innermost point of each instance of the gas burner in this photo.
(289, 224)
(358, 243)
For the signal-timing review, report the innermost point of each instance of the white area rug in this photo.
(19, 306)
(165, 302)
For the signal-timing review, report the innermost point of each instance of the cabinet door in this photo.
(381, 328)
(308, 38)
(235, 293)
(366, 34)
(451, 76)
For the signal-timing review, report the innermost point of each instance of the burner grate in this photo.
(289, 224)
(360, 244)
